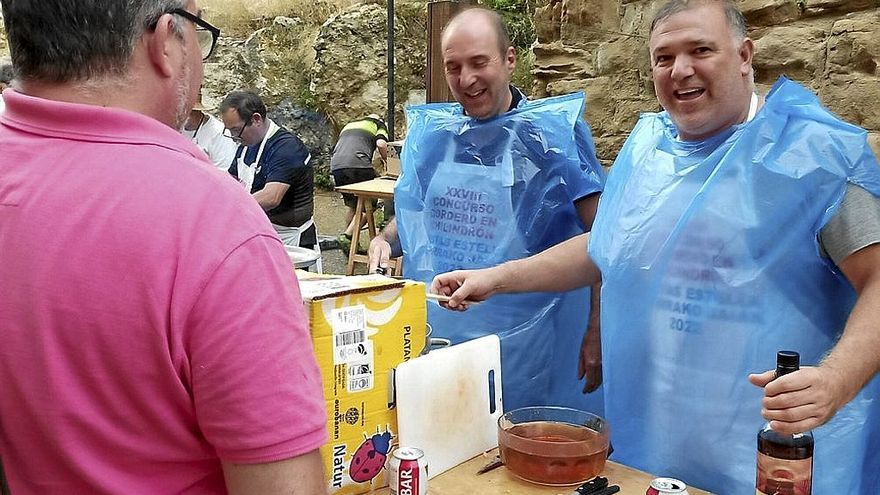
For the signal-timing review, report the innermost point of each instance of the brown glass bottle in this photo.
(785, 462)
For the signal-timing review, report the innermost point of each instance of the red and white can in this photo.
(667, 486)
(408, 472)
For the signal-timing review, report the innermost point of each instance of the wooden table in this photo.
(378, 188)
(463, 480)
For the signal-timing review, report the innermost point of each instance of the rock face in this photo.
(317, 76)
(349, 77)
(273, 61)
(329, 57)
(312, 128)
(321, 75)
(600, 47)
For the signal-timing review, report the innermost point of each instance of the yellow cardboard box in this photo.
(362, 327)
(392, 162)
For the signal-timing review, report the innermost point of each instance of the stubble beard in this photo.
(183, 93)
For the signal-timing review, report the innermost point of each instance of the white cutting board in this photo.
(444, 405)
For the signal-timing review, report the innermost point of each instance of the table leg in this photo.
(356, 235)
(371, 218)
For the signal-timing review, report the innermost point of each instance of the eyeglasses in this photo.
(237, 135)
(205, 33)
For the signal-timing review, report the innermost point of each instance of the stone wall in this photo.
(317, 64)
(600, 47)
(349, 77)
(329, 56)
(322, 56)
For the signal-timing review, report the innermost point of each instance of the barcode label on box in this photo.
(349, 338)
(350, 343)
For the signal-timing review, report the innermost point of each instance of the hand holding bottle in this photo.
(785, 461)
(802, 400)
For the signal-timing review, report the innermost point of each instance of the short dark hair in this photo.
(63, 40)
(735, 18)
(246, 103)
(497, 23)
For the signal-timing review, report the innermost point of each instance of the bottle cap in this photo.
(787, 362)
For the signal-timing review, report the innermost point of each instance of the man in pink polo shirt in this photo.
(143, 345)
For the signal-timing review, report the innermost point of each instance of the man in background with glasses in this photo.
(123, 366)
(274, 167)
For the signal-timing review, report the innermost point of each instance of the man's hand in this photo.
(803, 400)
(810, 397)
(590, 362)
(590, 359)
(379, 253)
(383, 247)
(468, 285)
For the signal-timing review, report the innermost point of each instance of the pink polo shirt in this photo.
(150, 321)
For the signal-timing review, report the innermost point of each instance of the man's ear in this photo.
(162, 43)
(746, 53)
(510, 59)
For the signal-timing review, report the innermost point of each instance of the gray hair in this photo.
(735, 18)
(63, 41)
(6, 72)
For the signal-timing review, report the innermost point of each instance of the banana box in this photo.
(362, 327)
(392, 161)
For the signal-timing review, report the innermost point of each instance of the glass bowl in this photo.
(555, 446)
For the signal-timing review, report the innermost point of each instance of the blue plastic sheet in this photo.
(475, 193)
(711, 264)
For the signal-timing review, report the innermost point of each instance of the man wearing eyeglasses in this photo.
(273, 165)
(123, 366)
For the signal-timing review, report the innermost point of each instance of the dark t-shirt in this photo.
(285, 159)
(356, 144)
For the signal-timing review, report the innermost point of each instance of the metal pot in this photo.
(433, 343)
(430, 343)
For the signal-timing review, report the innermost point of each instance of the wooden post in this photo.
(439, 14)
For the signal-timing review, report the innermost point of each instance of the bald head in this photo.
(479, 18)
(479, 62)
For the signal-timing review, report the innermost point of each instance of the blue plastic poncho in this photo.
(476, 193)
(710, 265)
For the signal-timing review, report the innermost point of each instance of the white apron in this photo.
(246, 173)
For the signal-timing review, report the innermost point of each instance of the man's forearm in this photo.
(301, 475)
(265, 201)
(270, 196)
(563, 267)
(856, 356)
(595, 301)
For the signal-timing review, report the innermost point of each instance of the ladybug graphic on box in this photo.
(369, 459)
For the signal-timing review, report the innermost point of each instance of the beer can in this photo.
(408, 472)
(667, 486)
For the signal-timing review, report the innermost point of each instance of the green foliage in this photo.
(522, 75)
(305, 98)
(322, 179)
(519, 16)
